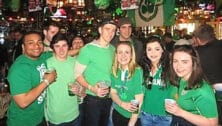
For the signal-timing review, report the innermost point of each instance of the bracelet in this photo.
(89, 87)
(46, 82)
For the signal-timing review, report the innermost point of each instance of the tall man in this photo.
(27, 83)
(50, 29)
(94, 65)
(209, 49)
(125, 34)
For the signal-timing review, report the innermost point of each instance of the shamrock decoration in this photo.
(119, 11)
(148, 9)
(102, 4)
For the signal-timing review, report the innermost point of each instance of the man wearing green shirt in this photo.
(93, 65)
(28, 82)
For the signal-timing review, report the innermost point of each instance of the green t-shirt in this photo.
(127, 88)
(60, 107)
(98, 61)
(198, 101)
(153, 102)
(24, 75)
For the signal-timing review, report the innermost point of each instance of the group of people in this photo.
(124, 82)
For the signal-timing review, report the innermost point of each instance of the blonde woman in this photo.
(126, 86)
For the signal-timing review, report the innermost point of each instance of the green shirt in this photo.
(153, 102)
(98, 62)
(199, 101)
(24, 75)
(127, 88)
(60, 107)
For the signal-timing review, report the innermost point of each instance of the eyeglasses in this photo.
(148, 82)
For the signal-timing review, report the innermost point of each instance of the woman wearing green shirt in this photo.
(196, 103)
(155, 65)
(126, 86)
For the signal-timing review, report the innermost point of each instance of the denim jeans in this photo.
(75, 122)
(155, 120)
(96, 110)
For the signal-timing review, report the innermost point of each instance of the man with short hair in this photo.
(94, 65)
(209, 49)
(27, 83)
(168, 39)
(50, 29)
(125, 34)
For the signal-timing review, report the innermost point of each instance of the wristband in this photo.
(46, 82)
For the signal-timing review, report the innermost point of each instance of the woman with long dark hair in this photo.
(155, 66)
(196, 103)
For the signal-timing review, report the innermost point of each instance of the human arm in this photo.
(73, 52)
(25, 99)
(193, 118)
(125, 105)
(78, 70)
(134, 116)
(78, 90)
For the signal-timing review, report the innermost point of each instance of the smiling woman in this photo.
(194, 92)
(126, 89)
(155, 64)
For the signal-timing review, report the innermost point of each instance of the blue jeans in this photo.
(155, 120)
(75, 122)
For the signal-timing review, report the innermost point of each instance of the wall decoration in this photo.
(102, 4)
(35, 5)
(149, 13)
(129, 4)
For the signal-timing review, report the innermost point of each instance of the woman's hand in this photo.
(129, 106)
(173, 108)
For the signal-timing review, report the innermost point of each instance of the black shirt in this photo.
(211, 60)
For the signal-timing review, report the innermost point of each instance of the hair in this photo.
(50, 23)
(167, 35)
(205, 32)
(73, 38)
(197, 75)
(146, 64)
(132, 64)
(29, 33)
(58, 37)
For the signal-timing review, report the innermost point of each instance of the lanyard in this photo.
(123, 86)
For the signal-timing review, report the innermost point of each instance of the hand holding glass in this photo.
(50, 74)
(136, 104)
(49, 70)
(104, 87)
(71, 88)
(169, 101)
